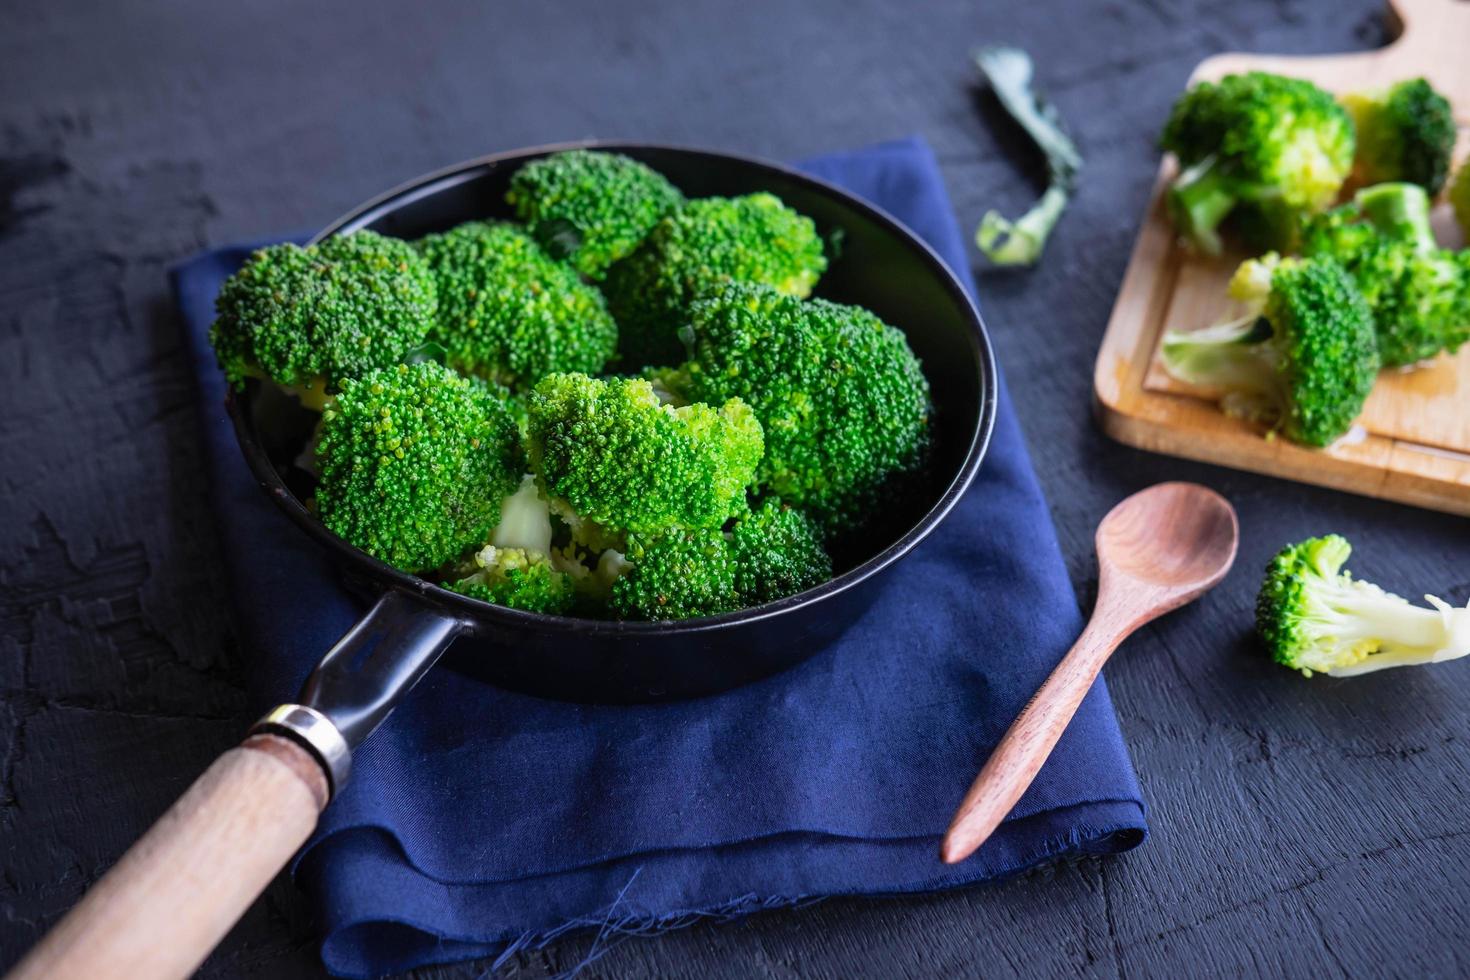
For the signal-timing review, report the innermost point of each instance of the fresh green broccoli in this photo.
(1317, 619)
(778, 552)
(590, 208)
(677, 573)
(519, 568)
(842, 398)
(1405, 132)
(310, 318)
(1419, 294)
(511, 313)
(415, 462)
(695, 250)
(519, 579)
(1303, 359)
(613, 458)
(1460, 198)
(1270, 146)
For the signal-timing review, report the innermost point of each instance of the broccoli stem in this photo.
(1400, 211)
(1226, 355)
(1020, 242)
(1393, 631)
(1199, 200)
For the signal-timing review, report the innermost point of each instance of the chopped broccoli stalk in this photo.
(1399, 211)
(415, 462)
(1259, 143)
(525, 520)
(1303, 359)
(676, 574)
(1418, 293)
(1009, 72)
(695, 250)
(778, 552)
(1405, 132)
(1315, 618)
(842, 398)
(509, 312)
(590, 208)
(309, 318)
(611, 454)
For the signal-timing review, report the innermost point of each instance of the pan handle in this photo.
(181, 887)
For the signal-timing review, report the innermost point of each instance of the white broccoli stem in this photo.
(525, 520)
(1402, 633)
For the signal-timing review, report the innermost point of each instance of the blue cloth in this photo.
(478, 821)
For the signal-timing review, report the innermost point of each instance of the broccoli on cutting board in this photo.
(1258, 149)
(1302, 359)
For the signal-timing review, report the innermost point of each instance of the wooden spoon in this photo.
(1156, 551)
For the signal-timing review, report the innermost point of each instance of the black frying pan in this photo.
(161, 909)
(880, 265)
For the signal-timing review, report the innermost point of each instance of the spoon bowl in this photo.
(1157, 550)
(1176, 536)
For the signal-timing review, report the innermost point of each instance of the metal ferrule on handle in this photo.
(361, 679)
(314, 732)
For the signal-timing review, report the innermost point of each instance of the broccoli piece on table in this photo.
(695, 250)
(1315, 618)
(1269, 146)
(1419, 294)
(511, 313)
(309, 318)
(415, 462)
(590, 208)
(842, 398)
(1020, 242)
(612, 457)
(1405, 132)
(1304, 358)
(677, 573)
(778, 552)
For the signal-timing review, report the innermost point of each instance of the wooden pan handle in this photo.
(180, 888)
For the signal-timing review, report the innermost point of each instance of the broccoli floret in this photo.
(590, 208)
(1315, 618)
(611, 454)
(511, 313)
(842, 398)
(1303, 359)
(1460, 198)
(1405, 132)
(778, 552)
(309, 318)
(1419, 294)
(518, 578)
(415, 461)
(1278, 146)
(695, 250)
(678, 573)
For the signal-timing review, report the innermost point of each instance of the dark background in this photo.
(1299, 828)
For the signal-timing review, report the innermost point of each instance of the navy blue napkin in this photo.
(479, 821)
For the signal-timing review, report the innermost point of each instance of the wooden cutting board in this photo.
(1412, 442)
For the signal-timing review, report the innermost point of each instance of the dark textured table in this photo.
(1299, 828)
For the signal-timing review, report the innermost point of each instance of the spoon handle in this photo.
(1029, 740)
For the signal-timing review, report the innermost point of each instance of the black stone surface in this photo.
(1299, 828)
